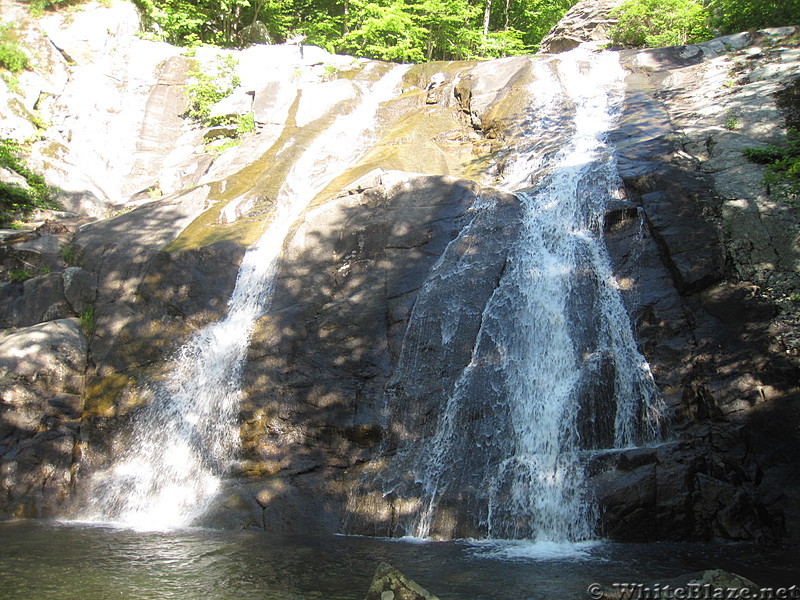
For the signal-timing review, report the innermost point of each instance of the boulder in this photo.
(390, 584)
(586, 21)
(80, 288)
(42, 300)
(42, 371)
(50, 356)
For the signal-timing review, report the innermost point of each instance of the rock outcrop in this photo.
(42, 370)
(585, 22)
(721, 342)
(162, 210)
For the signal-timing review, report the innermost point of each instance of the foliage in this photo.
(497, 44)
(218, 147)
(534, 18)
(396, 30)
(655, 23)
(37, 7)
(12, 57)
(731, 121)
(733, 16)
(87, 320)
(188, 22)
(210, 87)
(386, 31)
(15, 200)
(782, 176)
(11, 81)
(658, 23)
(69, 254)
(19, 275)
(245, 123)
(419, 30)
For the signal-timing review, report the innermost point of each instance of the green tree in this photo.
(384, 30)
(656, 23)
(733, 16)
(532, 18)
(396, 30)
(188, 22)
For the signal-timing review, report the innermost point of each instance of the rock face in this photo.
(320, 359)
(586, 21)
(720, 342)
(41, 382)
(706, 261)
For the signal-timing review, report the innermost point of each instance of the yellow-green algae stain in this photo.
(424, 138)
(261, 179)
(116, 394)
(421, 137)
(259, 183)
(506, 113)
(103, 396)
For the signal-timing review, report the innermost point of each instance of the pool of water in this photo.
(47, 560)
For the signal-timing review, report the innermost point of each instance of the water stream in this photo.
(184, 441)
(555, 373)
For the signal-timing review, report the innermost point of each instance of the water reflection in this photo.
(52, 561)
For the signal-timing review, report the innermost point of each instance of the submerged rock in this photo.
(390, 584)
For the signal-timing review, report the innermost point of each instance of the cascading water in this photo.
(557, 352)
(183, 442)
(554, 373)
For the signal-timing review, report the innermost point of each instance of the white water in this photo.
(547, 352)
(184, 441)
(527, 478)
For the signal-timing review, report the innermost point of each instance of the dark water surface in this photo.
(57, 561)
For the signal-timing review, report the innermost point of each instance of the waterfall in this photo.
(558, 354)
(554, 373)
(182, 443)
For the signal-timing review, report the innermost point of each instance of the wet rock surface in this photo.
(321, 357)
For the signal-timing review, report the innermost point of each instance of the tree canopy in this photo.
(395, 30)
(423, 30)
(655, 23)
